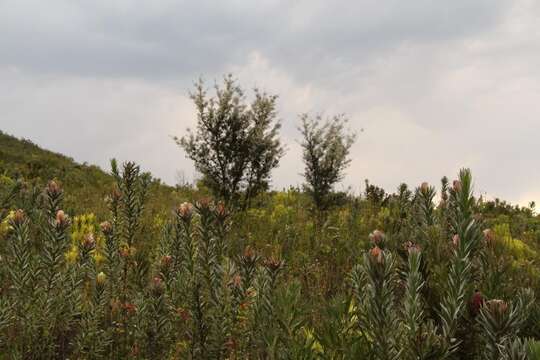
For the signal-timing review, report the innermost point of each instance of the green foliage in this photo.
(374, 284)
(137, 281)
(21, 159)
(501, 322)
(235, 145)
(25, 166)
(420, 334)
(325, 149)
(533, 350)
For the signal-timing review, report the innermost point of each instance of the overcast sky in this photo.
(436, 85)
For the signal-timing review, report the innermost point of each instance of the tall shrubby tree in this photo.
(234, 146)
(326, 146)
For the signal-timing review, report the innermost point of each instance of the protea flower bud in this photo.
(116, 195)
(456, 185)
(204, 203)
(424, 187)
(89, 242)
(249, 258)
(273, 264)
(248, 252)
(101, 278)
(376, 237)
(456, 240)
(166, 261)
(497, 307)
(106, 228)
(53, 189)
(157, 285)
(377, 254)
(19, 217)
(185, 211)
(62, 219)
(221, 211)
(413, 249)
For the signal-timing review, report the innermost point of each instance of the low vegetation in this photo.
(442, 281)
(97, 265)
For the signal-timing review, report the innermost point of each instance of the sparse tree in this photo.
(326, 145)
(235, 145)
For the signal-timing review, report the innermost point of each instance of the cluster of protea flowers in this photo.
(391, 301)
(191, 292)
(192, 297)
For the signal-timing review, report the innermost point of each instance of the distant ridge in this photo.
(85, 185)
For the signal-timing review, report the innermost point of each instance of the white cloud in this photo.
(94, 120)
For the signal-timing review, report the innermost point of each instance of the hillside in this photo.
(85, 185)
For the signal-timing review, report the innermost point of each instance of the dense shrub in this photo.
(325, 151)
(436, 284)
(234, 145)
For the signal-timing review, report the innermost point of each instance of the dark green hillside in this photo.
(85, 185)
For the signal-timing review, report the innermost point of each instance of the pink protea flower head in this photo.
(62, 219)
(53, 189)
(185, 211)
(496, 306)
(106, 227)
(204, 203)
(414, 249)
(377, 237)
(89, 242)
(377, 254)
(249, 257)
(249, 252)
(116, 195)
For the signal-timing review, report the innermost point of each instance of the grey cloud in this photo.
(179, 39)
(436, 85)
